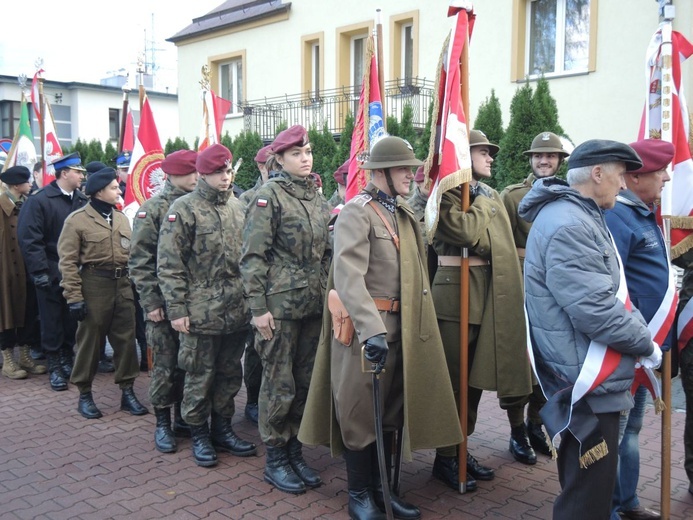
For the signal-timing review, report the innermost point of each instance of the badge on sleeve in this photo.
(141, 214)
(172, 218)
(261, 203)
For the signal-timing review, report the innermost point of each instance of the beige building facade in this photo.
(292, 56)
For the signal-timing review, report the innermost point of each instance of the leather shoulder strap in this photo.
(394, 236)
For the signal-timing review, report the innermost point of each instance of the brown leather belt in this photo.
(391, 305)
(521, 252)
(113, 274)
(455, 261)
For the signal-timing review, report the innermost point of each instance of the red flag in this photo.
(368, 127)
(214, 110)
(52, 148)
(145, 176)
(449, 162)
(129, 133)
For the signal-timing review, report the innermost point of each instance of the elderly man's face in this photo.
(611, 184)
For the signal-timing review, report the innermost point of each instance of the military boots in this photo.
(520, 448)
(280, 474)
(202, 448)
(308, 475)
(164, 440)
(9, 367)
(225, 439)
(27, 362)
(56, 377)
(538, 439)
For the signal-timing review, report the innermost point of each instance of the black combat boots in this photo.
(362, 506)
(225, 439)
(202, 448)
(478, 471)
(180, 427)
(537, 438)
(129, 402)
(279, 472)
(447, 470)
(308, 475)
(164, 440)
(56, 377)
(87, 407)
(520, 447)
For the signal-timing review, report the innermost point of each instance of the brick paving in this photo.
(56, 465)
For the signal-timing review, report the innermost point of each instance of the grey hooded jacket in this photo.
(571, 279)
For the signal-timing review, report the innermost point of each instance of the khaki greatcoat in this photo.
(12, 270)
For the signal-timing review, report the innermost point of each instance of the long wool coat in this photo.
(430, 415)
(12, 271)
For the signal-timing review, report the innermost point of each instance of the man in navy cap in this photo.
(93, 248)
(40, 223)
(18, 311)
(586, 336)
(651, 286)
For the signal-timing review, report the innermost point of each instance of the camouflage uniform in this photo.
(285, 261)
(199, 249)
(248, 195)
(335, 200)
(166, 384)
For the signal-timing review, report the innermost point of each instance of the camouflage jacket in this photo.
(335, 199)
(145, 239)
(248, 195)
(199, 250)
(286, 249)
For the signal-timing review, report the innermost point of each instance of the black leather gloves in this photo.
(78, 310)
(376, 351)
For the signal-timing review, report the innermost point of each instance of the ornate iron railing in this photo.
(330, 107)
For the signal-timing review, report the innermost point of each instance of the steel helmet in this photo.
(389, 152)
(547, 142)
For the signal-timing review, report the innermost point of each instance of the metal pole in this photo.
(124, 117)
(381, 73)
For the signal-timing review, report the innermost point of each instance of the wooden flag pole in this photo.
(381, 73)
(464, 291)
(140, 71)
(42, 125)
(124, 116)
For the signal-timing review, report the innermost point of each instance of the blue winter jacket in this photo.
(643, 252)
(571, 280)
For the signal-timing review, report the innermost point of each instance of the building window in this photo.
(113, 124)
(9, 118)
(404, 47)
(231, 78)
(554, 38)
(358, 54)
(312, 65)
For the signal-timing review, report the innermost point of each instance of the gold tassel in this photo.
(659, 406)
(592, 455)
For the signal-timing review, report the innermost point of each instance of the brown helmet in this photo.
(389, 152)
(547, 142)
(478, 138)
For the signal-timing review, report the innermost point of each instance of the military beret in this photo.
(317, 179)
(655, 154)
(123, 160)
(213, 158)
(99, 180)
(263, 154)
(181, 162)
(72, 161)
(294, 136)
(15, 175)
(478, 138)
(94, 167)
(600, 151)
(419, 176)
(340, 176)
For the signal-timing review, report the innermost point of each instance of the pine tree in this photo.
(109, 153)
(545, 110)
(324, 150)
(423, 142)
(512, 164)
(489, 119)
(246, 145)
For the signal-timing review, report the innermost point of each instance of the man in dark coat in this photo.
(40, 223)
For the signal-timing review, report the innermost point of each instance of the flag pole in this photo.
(124, 115)
(464, 288)
(667, 15)
(381, 73)
(140, 71)
(41, 122)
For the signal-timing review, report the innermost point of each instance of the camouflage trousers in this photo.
(287, 365)
(252, 369)
(213, 374)
(166, 383)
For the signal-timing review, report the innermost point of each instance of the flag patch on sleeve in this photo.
(172, 218)
(261, 203)
(141, 214)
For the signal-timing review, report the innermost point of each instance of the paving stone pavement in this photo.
(56, 465)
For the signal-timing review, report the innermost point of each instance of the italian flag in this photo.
(22, 152)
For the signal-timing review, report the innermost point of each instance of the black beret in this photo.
(600, 151)
(15, 175)
(99, 180)
(94, 167)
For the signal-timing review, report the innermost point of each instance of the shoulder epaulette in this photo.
(361, 199)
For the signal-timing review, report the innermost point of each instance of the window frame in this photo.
(398, 26)
(215, 66)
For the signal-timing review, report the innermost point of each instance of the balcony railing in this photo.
(330, 107)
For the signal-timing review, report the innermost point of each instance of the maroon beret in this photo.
(340, 176)
(214, 158)
(419, 177)
(294, 136)
(263, 154)
(181, 162)
(317, 179)
(655, 154)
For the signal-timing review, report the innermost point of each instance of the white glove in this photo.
(654, 360)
